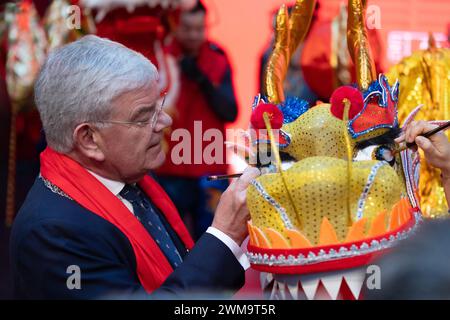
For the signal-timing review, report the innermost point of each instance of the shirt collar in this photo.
(112, 185)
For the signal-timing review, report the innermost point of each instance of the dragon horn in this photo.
(358, 44)
(289, 32)
(279, 59)
(299, 22)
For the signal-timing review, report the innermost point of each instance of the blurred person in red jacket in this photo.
(206, 101)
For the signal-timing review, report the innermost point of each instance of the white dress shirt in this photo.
(116, 186)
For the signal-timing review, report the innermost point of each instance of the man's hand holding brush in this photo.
(436, 148)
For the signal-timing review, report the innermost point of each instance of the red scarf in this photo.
(152, 266)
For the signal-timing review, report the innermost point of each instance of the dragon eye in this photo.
(383, 153)
(376, 152)
(365, 153)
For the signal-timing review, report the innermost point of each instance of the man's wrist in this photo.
(232, 235)
(232, 245)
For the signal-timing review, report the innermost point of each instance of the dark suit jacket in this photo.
(52, 232)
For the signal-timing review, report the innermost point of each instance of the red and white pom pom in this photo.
(275, 116)
(337, 102)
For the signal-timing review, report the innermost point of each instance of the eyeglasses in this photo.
(152, 121)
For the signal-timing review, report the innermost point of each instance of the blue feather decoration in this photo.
(292, 108)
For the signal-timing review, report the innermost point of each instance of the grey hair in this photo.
(79, 82)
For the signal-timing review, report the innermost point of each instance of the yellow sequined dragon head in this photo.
(346, 194)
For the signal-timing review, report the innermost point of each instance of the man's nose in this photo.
(164, 121)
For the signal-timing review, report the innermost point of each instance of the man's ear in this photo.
(87, 140)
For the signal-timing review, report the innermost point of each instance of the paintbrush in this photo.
(406, 146)
(426, 135)
(223, 176)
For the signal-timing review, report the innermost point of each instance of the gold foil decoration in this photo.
(340, 59)
(299, 22)
(424, 79)
(279, 59)
(358, 44)
(349, 148)
(289, 33)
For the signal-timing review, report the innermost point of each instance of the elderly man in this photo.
(94, 224)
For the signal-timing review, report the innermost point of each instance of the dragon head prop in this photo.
(346, 194)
